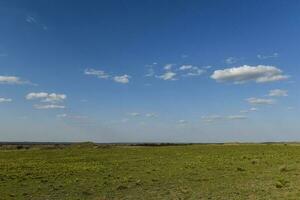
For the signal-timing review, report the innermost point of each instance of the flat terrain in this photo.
(236, 171)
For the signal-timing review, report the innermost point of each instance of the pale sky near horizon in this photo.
(149, 71)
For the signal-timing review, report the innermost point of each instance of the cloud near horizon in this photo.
(215, 118)
(49, 106)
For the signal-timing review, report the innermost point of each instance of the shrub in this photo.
(240, 169)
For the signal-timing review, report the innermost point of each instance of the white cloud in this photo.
(253, 109)
(98, 73)
(262, 57)
(49, 106)
(245, 73)
(236, 117)
(32, 20)
(167, 76)
(185, 67)
(215, 118)
(53, 98)
(278, 93)
(5, 100)
(207, 67)
(168, 66)
(195, 72)
(103, 75)
(259, 101)
(71, 116)
(182, 121)
(45, 97)
(184, 56)
(150, 72)
(13, 80)
(124, 120)
(191, 70)
(122, 79)
(244, 111)
(151, 115)
(211, 118)
(39, 95)
(134, 114)
(250, 110)
(231, 60)
(61, 115)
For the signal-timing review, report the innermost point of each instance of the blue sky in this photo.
(149, 71)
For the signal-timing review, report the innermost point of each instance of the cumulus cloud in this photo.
(49, 106)
(260, 101)
(245, 73)
(53, 98)
(262, 57)
(278, 93)
(122, 79)
(45, 97)
(97, 73)
(167, 76)
(5, 100)
(34, 95)
(12, 80)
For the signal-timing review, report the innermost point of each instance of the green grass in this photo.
(169, 172)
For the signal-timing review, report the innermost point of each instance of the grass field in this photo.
(237, 171)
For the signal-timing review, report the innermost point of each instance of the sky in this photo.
(149, 71)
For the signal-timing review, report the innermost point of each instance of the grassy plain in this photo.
(236, 171)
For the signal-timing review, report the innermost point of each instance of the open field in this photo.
(229, 171)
